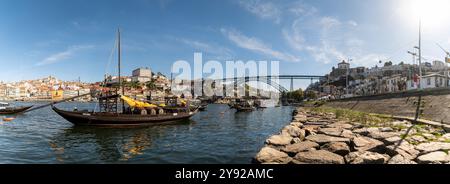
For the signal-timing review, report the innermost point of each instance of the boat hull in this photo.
(16, 110)
(244, 109)
(109, 119)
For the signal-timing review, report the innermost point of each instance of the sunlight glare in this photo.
(433, 13)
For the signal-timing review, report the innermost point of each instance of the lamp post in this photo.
(420, 53)
(347, 74)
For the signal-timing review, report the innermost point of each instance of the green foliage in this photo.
(389, 63)
(150, 85)
(295, 95)
(311, 95)
(370, 120)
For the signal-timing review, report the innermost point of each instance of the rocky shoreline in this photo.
(321, 138)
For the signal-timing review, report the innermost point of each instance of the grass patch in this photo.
(367, 119)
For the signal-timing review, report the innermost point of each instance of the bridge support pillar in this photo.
(292, 84)
(258, 92)
(235, 87)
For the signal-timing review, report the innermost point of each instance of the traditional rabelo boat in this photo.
(136, 113)
(6, 109)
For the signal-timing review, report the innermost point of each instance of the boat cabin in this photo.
(4, 104)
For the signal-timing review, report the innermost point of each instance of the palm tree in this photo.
(151, 85)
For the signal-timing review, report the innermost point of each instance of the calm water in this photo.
(218, 135)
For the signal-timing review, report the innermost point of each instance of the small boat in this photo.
(202, 107)
(5, 108)
(244, 109)
(8, 119)
(243, 105)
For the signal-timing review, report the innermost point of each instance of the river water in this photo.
(218, 135)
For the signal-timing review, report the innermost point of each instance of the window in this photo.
(441, 81)
(428, 81)
(412, 84)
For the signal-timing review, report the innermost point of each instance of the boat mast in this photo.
(120, 79)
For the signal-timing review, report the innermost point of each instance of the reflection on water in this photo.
(110, 144)
(218, 135)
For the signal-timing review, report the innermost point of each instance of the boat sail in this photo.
(137, 113)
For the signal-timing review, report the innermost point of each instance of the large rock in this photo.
(279, 140)
(366, 157)
(300, 118)
(362, 143)
(404, 148)
(416, 139)
(382, 135)
(429, 136)
(297, 124)
(438, 157)
(323, 139)
(319, 157)
(271, 155)
(340, 125)
(319, 123)
(293, 132)
(331, 131)
(386, 129)
(399, 159)
(300, 147)
(446, 136)
(347, 134)
(340, 148)
(311, 129)
(433, 146)
(392, 140)
(365, 131)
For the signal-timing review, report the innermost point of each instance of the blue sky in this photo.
(74, 38)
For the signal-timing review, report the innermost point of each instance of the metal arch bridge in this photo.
(270, 80)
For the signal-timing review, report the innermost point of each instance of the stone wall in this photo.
(436, 104)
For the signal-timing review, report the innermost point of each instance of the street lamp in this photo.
(420, 53)
(346, 78)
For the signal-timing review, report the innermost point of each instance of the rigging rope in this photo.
(113, 50)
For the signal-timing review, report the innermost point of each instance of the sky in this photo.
(75, 38)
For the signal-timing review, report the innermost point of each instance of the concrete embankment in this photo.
(323, 137)
(435, 104)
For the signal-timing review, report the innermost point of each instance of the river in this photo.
(216, 136)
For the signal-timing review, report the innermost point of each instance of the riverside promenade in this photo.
(324, 135)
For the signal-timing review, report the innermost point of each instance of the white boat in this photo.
(269, 103)
(3, 105)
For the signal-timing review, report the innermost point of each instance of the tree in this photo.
(389, 63)
(135, 84)
(151, 85)
(311, 95)
(296, 95)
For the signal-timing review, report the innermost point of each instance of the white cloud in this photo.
(262, 9)
(326, 39)
(329, 22)
(219, 51)
(61, 56)
(352, 23)
(257, 45)
(294, 37)
(301, 9)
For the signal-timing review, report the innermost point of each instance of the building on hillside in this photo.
(142, 75)
(434, 80)
(57, 94)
